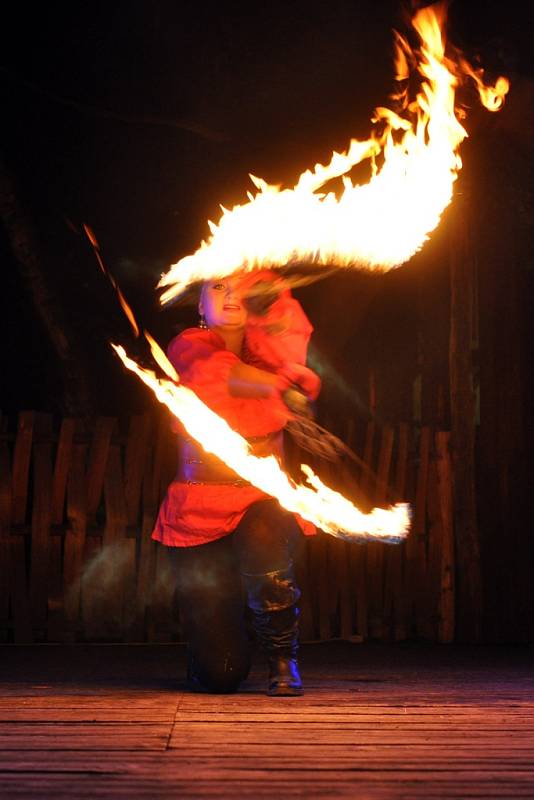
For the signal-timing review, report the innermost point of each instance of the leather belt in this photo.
(195, 466)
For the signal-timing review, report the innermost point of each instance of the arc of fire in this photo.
(377, 226)
(317, 503)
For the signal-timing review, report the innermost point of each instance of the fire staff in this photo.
(230, 545)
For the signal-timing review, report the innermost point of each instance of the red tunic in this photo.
(196, 514)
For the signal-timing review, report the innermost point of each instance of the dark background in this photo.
(139, 118)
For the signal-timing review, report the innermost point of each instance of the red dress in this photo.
(194, 514)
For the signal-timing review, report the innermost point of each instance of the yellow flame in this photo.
(161, 359)
(326, 508)
(377, 225)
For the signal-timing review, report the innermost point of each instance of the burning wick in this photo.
(326, 508)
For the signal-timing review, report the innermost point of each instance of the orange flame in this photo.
(377, 225)
(161, 359)
(327, 509)
(122, 300)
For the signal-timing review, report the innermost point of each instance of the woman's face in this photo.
(221, 303)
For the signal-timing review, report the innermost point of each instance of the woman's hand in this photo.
(303, 379)
(298, 403)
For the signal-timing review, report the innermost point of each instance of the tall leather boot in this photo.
(272, 597)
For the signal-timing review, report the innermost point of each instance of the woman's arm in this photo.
(247, 381)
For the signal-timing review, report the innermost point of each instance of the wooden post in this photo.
(394, 598)
(5, 520)
(119, 551)
(17, 571)
(375, 550)
(462, 401)
(447, 571)
(75, 537)
(415, 548)
(147, 549)
(56, 611)
(40, 528)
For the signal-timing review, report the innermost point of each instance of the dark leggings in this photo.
(210, 595)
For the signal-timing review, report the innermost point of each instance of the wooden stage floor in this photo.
(377, 721)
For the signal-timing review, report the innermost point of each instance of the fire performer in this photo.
(230, 545)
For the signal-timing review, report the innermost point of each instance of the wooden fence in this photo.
(77, 506)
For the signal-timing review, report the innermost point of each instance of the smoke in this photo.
(107, 591)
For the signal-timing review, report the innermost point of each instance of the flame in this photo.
(377, 225)
(161, 359)
(122, 300)
(327, 509)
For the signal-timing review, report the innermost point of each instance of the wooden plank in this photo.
(90, 737)
(135, 462)
(329, 587)
(41, 519)
(308, 571)
(147, 551)
(56, 611)
(55, 625)
(302, 571)
(333, 585)
(20, 606)
(5, 566)
(367, 480)
(320, 581)
(375, 550)
(165, 456)
(447, 597)
(92, 595)
(5, 522)
(128, 546)
(75, 538)
(21, 465)
(161, 437)
(117, 552)
(345, 574)
(415, 550)
(216, 781)
(462, 262)
(361, 576)
(159, 616)
(342, 577)
(61, 469)
(363, 756)
(358, 561)
(97, 462)
(401, 471)
(382, 489)
(419, 522)
(395, 601)
(14, 547)
(429, 622)
(340, 590)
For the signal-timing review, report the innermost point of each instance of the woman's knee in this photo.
(266, 538)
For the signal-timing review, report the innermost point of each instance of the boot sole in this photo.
(285, 691)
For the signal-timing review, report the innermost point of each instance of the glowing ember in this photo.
(326, 508)
(378, 225)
